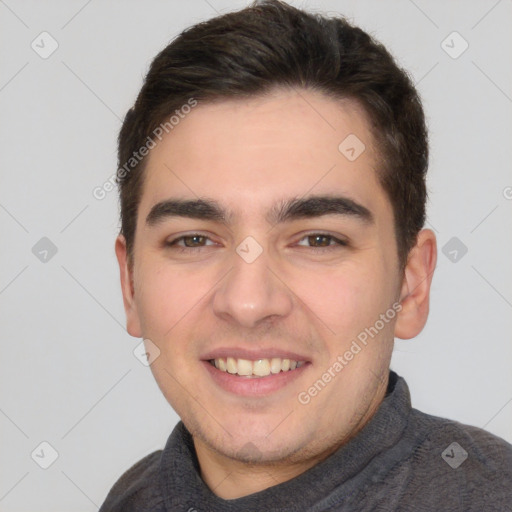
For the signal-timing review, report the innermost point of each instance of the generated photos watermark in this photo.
(304, 397)
(100, 192)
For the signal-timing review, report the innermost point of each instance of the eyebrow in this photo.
(285, 211)
(318, 206)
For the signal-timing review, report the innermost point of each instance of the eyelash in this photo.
(338, 242)
(179, 248)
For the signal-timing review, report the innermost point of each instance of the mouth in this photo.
(255, 369)
(250, 374)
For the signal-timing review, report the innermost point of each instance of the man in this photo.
(272, 184)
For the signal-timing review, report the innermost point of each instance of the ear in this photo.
(126, 274)
(415, 292)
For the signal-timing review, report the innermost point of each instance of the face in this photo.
(262, 255)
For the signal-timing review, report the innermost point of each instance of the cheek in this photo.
(167, 297)
(344, 300)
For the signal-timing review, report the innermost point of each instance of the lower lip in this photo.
(255, 386)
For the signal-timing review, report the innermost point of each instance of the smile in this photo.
(257, 368)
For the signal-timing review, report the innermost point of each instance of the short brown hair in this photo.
(272, 44)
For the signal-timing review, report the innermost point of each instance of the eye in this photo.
(321, 241)
(191, 241)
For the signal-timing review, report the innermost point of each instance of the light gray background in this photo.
(68, 374)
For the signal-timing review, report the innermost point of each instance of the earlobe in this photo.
(127, 288)
(415, 292)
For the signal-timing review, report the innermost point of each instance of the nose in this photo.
(252, 293)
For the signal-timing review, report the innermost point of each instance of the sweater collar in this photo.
(184, 489)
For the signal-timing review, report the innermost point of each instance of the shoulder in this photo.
(138, 488)
(487, 450)
(462, 459)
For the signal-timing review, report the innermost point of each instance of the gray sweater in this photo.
(402, 460)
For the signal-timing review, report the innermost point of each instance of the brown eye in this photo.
(194, 241)
(321, 240)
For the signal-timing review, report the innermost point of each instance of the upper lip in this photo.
(252, 355)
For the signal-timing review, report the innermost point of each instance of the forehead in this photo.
(248, 154)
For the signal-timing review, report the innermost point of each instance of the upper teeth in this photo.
(260, 367)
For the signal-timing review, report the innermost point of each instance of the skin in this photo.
(248, 155)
